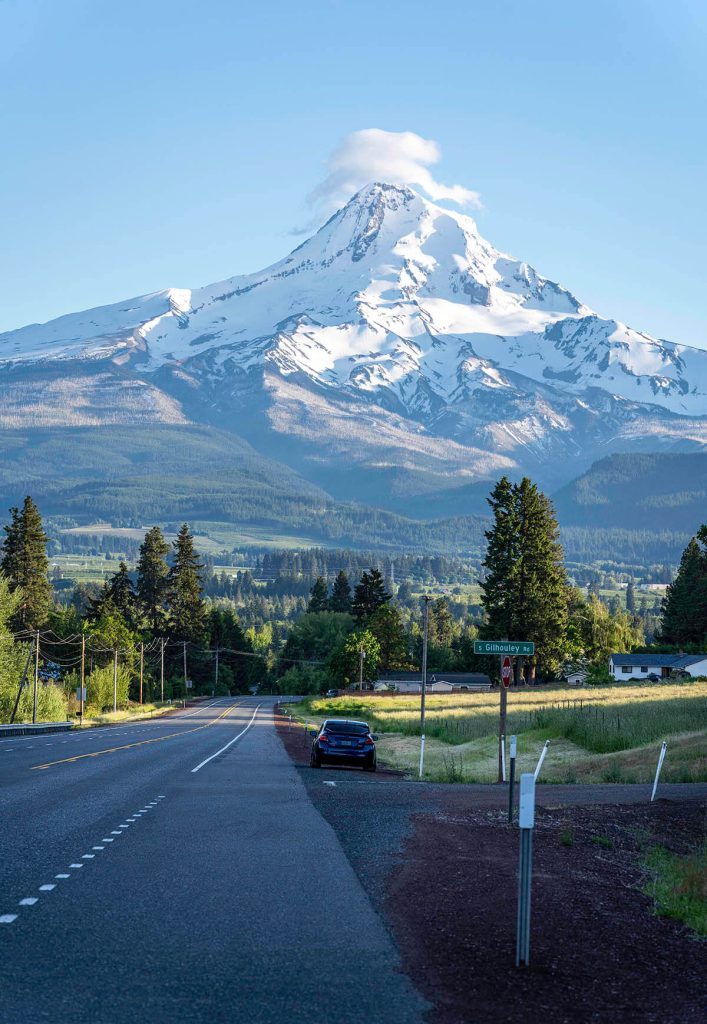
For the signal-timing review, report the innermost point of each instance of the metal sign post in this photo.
(657, 771)
(506, 649)
(514, 747)
(503, 758)
(526, 823)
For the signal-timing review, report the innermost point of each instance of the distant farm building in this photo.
(440, 682)
(642, 666)
(577, 678)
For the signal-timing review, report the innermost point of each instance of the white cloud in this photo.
(397, 158)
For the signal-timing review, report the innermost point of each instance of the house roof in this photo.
(658, 660)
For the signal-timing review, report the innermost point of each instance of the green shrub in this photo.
(99, 688)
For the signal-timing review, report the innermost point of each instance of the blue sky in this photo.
(154, 144)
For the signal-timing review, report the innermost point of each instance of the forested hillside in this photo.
(634, 492)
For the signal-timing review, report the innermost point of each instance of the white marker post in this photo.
(526, 823)
(657, 771)
(541, 759)
(423, 685)
(514, 747)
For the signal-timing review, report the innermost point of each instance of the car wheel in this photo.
(370, 767)
(314, 762)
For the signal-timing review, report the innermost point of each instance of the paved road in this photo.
(177, 871)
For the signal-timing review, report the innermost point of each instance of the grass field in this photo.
(602, 734)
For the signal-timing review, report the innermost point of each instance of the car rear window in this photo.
(347, 728)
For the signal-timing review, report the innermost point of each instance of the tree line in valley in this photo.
(160, 624)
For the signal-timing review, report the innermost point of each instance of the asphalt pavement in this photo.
(178, 871)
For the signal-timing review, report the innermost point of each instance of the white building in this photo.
(641, 666)
(411, 682)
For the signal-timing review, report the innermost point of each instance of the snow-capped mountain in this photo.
(396, 341)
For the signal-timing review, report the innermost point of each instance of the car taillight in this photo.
(323, 738)
(368, 742)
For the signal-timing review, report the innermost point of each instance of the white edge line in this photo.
(230, 742)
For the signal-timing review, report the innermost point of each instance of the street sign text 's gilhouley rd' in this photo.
(504, 647)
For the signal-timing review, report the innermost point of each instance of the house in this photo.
(641, 666)
(577, 678)
(440, 682)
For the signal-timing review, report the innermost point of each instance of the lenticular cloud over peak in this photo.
(398, 158)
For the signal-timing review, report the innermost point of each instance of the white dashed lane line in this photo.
(29, 901)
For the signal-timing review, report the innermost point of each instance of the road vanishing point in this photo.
(177, 871)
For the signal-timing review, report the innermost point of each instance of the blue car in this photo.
(343, 741)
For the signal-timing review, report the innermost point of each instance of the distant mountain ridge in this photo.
(395, 358)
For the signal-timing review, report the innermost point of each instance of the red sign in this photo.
(506, 671)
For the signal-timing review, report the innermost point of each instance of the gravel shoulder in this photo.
(440, 862)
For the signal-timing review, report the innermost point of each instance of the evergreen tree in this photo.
(153, 579)
(121, 594)
(543, 591)
(525, 592)
(631, 598)
(499, 585)
(685, 603)
(341, 594)
(187, 608)
(319, 596)
(369, 595)
(387, 627)
(26, 566)
(443, 633)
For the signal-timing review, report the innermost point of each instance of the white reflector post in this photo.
(661, 758)
(540, 761)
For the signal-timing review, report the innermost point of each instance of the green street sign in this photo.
(504, 647)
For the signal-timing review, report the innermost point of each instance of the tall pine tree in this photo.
(26, 566)
(685, 603)
(187, 608)
(153, 579)
(121, 594)
(319, 596)
(499, 585)
(525, 591)
(543, 589)
(340, 600)
(369, 595)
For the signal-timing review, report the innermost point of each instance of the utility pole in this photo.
(83, 672)
(115, 678)
(142, 667)
(423, 688)
(216, 674)
(361, 658)
(162, 670)
(36, 678)
(184, 650)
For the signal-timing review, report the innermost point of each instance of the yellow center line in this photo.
(138, 743)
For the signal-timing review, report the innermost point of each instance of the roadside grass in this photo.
(134, 713)
(678, 886)
(603, 734)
